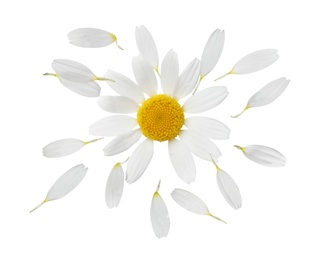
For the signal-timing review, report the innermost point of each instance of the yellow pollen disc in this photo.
(160, 118)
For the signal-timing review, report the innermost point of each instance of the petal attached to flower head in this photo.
(263, 155)
(62, 147)
(118, 104)
(65, 184)
(86, 89)
(139, 160)
(159, 215)
(205, 99)
(113, 125)
(169, 73)
(91, 38)
(146, 46)
(144, 75)
(124, 86)
(187, 80)
(199, 145)
(212, 52)
(208, 127)
(122, 142)
(72, 70)
(114, 186)
(182, 160)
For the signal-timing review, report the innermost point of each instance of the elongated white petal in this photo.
(159, 216)
(124, 86)
(139, 160)
(146, 46)
(62, 147)
(122, 142)
(72, 70)
(264, 155)
(86, 89)
(199, 145)
(208, 127)
(91, 38)
(169, 73)
(182, 160)
(212, 52)
(205, 99)
(113, 125)
(255, 61)
(144, 75)
(187, 80)
(114, 186)
(268, 93)
(118, 104)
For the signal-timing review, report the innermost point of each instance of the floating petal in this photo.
(86, 89)
(114, 186)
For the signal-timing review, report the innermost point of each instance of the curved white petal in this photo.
(62, 147)
(208, 127)
(146, 46)
(159, 216)
(139, 160)
(86, 89)
(268, 93)
(255, 61)
(212, 52)
(264, 155)
(90, 37)
(145, 76)
(124, 86)
(113, 125)
(169, 73)
(187, 80)
(229, 189)
(122, 142)
(199, 145)
(72, 70)
(114, 186)
(182, 160)
(118, 104)
(205, 99)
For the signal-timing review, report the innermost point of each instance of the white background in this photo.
(278, 219)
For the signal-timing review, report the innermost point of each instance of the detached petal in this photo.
(139, 160)
(113, 125)
(212, 52)
(114, 186)
(169, 73)
(118, 104)
(146, 46)
(205, 99)
(62, 148)
(263, 155)
(86, 89)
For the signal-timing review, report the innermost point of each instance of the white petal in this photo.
(122, 142)
(205, 99)
(86, 89)
(255, 61)
(182, 160)
(144, 75)
(139, 160)
(91, 37)
(268, 93)
(72, 70)
(159, 216)
(187, 80)
(229, 189)
(62, 148)
(114, 186)
(200, 145)
(146, 46)
(118, 104)
(124, 86)
(113, 125)
(169, 73)
(212, 52)
(264, 155)
(208, 127)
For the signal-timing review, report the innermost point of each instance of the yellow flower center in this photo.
(160, 118)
